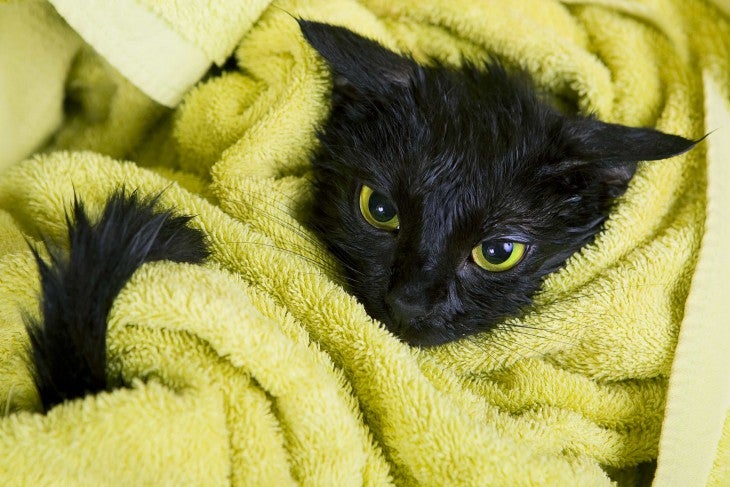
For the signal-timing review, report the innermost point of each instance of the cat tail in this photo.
(78, 288)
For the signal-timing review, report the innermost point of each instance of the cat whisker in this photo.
(543, 337)
(511, 340)
(296, 205)
(301, 231)
(287, 221)
(562, 320)
(308, 238)
(343, 261)
(578, 295)
(502, 345)
(549, 334)
(320, 264)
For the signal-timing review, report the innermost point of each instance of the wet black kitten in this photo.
(448, 194)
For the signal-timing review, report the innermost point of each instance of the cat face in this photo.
(448, 194)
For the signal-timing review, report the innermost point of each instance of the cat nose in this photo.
(405, 307)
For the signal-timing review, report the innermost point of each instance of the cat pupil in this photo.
(379, 207)
(497, 252)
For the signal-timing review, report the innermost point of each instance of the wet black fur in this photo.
(68, 344)
(465, 154)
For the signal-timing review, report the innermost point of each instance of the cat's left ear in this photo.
(609, 152)
(595, 141)
(360, 66)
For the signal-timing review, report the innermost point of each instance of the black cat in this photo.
(447, 194)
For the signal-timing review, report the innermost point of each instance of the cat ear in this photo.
(595, 141)
(608, 153)
(359, 65)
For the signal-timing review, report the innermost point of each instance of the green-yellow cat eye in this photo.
(498, 255)
(378, 210)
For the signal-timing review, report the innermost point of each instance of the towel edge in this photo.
(140, 45)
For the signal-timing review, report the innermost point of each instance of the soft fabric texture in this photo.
(692, 446)
(31, 93)
(258, 368)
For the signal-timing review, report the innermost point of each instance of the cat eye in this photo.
(377, 210)
(498, 255)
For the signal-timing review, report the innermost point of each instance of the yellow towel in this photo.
(31, 93)
(258, 368)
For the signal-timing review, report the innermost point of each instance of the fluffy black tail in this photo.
(68, 344)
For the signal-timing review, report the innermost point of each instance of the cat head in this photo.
(449, 193)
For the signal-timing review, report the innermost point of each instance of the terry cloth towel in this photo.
(258, 368)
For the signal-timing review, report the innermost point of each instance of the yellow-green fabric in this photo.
(258, 368)
(692, 446)
(31, 93)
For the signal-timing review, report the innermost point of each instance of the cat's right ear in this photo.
(604, 155)
(360, 66)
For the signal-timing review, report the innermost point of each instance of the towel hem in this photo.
(699, 390)
(141, 46)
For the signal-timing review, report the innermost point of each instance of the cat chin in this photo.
(432, 332)
(427, 331)
(424, 338)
